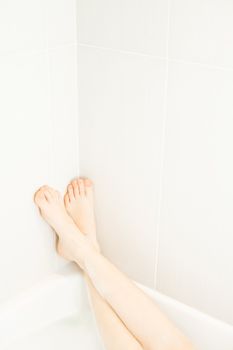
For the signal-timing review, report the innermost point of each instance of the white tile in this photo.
(132, 25)
(26, 244)
(64, 95)
(22, 25)
(61, 22)
(202, 31)
(195, 255)
(121, 111)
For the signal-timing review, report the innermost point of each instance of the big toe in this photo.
(88, 187)
(81, 186)
(39, 197)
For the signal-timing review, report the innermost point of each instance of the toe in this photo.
(88, 187)
(74, 183)
(56, 194)
(70, 192)
(50, 193)
(39, 197)
(81, 187)
(66, 199)
(88, 183)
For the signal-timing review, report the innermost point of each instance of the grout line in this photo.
(32, 52)
(77, 164)
(61, 46)
(110, 49)
(157, 239)
(24, 53)
(173, 60)
(51, 121)
(202, 64)
(55, 262)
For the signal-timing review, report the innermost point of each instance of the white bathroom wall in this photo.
(156, 118)
(196, 210)
(121, 152)
(121, 99)
(38, 130)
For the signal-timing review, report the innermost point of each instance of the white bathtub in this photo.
(55, 315)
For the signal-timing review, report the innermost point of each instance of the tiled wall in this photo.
(38, 130)
(156, 123)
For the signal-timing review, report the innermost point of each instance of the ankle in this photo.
(91, 253)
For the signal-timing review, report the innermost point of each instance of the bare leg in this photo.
(137, 311)
(79, 204)
(114, 333)
(140, 314)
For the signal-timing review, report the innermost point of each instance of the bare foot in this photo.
(80, 206)
(73, 245)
